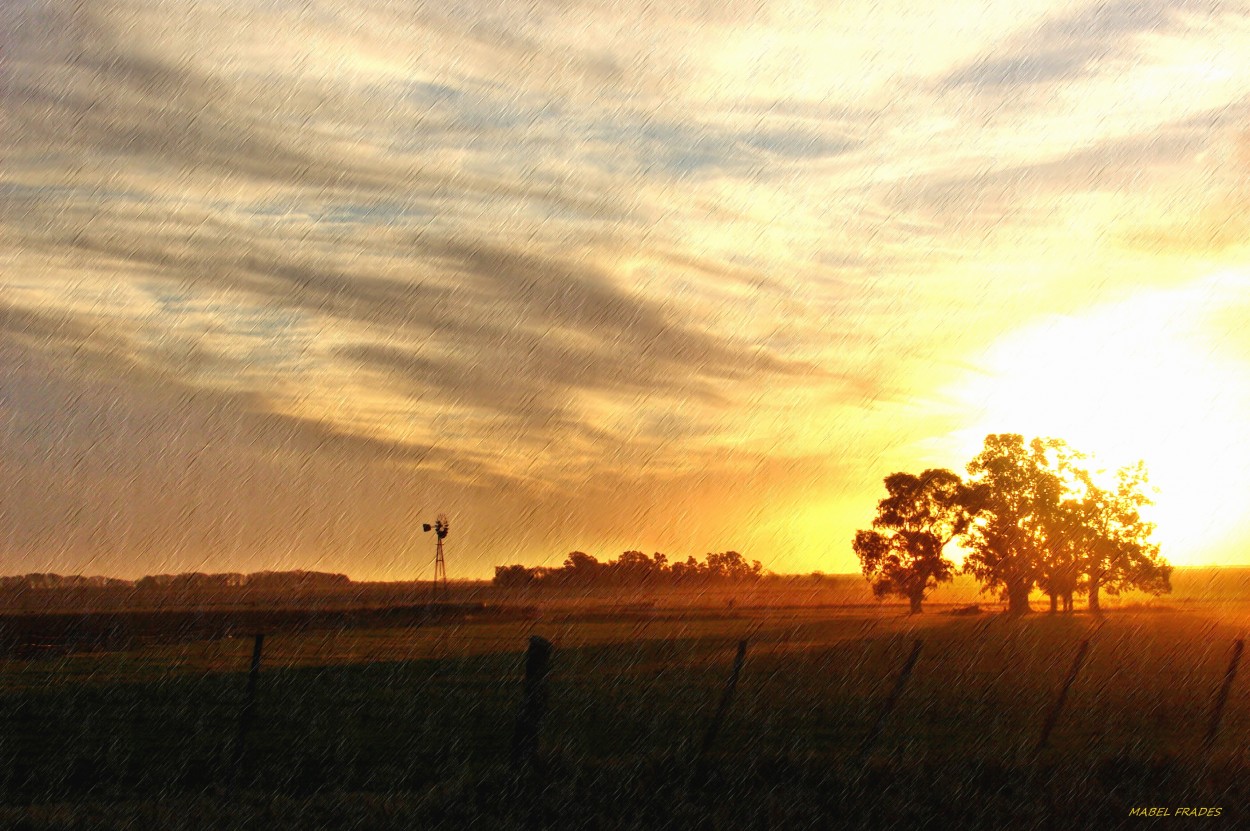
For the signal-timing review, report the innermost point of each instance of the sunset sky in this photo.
(281, 280)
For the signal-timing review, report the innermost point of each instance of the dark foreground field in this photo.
(411, 726)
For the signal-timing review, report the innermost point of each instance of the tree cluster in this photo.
(631, 568)
(187, 581)
(260, 580)
(1029, 516)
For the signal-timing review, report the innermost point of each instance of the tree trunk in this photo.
(916, 600)
(1018, 600)
(1093, 596)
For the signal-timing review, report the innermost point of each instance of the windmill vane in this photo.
(440, 528)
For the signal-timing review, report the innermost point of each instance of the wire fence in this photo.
(471, 695)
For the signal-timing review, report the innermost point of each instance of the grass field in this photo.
(411, 727)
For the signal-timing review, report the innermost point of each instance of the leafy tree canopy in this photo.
(903, 553)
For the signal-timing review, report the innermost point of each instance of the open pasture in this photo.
(396, 726)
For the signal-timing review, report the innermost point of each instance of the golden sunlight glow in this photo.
(1141, 379)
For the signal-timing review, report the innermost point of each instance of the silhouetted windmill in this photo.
(439, 528)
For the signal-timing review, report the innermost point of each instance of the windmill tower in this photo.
(439, 528)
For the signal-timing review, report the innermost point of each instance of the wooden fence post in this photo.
(722, 709)
(533, 702)
(1221, 698)
(248, 713)
(871, 738)
(1053, 718)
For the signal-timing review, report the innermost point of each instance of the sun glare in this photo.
(1142, 379)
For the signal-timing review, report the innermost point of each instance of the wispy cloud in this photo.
(520, 249)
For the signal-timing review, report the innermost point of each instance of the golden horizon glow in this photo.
(1143, 379)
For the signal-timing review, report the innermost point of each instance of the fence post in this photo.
(248, 712)
(722, 709)
(533, 702)
(871, 738)
(1221, 698)
(1053, 718)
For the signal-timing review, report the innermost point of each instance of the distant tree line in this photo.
(1029, 516)
(260, 581)
(631, 568)
(43, 580)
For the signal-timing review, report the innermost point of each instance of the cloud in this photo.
(1070, 45)
(984, 200)
(1215, 222)
(133, 476)
(527, 247)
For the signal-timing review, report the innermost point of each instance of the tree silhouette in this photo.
(1042, 519)
(1012, 487)
(1060, 520)
(730, 565)
(903, 553)
(1060, 571)
(632, 568)
(1118, 552)
(1030, 515)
